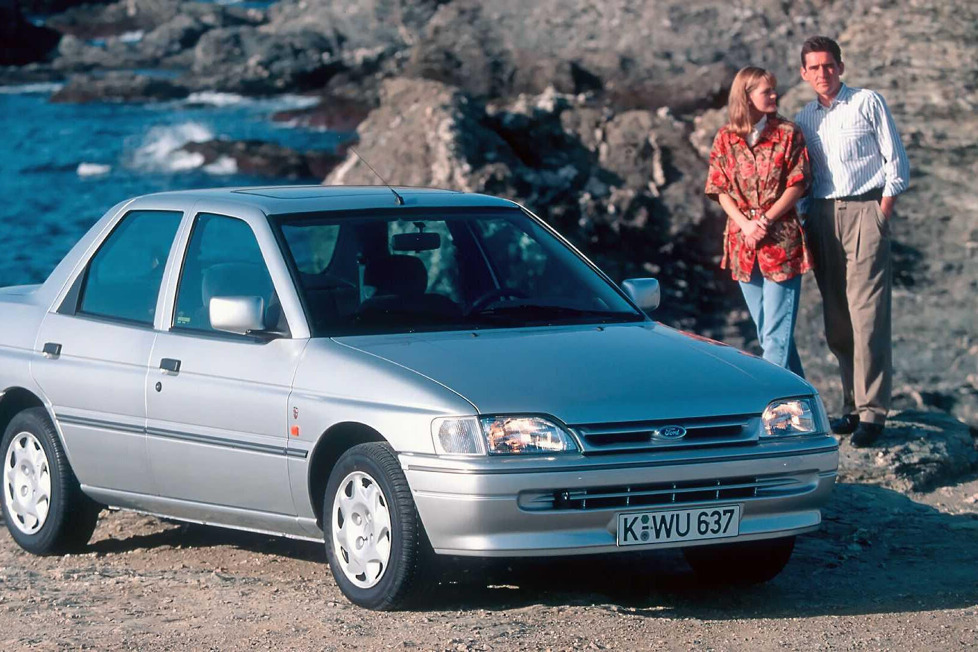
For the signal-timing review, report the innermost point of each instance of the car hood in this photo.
(590, 374)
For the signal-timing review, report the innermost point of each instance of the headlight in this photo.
(525, 435)
(500, 435)
(796, 416)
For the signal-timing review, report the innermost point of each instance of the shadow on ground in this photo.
(877, 552)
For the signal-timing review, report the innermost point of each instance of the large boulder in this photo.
(140, 34)
(246, 60)
(119, 86)
(918, 451)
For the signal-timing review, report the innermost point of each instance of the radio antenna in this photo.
(397, 198)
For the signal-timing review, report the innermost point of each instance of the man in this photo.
(858, 167)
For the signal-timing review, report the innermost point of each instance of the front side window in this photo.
(411, 270)
(223, 260)
(123, 278)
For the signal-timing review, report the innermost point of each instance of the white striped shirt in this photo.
(853, 146)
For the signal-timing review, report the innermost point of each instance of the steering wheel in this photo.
(495, 295)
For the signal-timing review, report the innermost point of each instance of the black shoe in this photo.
(866, 434)
(844, 425)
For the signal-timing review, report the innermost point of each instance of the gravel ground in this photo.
(884, 572)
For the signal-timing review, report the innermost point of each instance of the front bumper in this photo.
(497, 507)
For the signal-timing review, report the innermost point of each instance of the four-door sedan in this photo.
(400, 373)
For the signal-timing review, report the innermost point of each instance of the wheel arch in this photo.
(15, 400)
(334, 442)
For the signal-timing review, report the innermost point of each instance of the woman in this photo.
(758, 170)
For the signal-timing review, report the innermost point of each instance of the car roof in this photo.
(277, 200)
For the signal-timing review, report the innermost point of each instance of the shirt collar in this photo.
(842, 97)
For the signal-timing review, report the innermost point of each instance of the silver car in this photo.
(399, 373)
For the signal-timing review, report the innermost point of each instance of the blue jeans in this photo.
(774, 308)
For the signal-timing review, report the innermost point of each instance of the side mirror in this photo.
(240, 315)
(644, 292)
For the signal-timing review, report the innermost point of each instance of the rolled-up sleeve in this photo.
(717, 181)
(896, 166)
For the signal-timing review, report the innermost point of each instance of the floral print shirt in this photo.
(755, 178)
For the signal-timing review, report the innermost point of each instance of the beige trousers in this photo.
(850, 244)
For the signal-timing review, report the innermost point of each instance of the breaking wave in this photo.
(224, 165)
(271, 103)
(160, 149)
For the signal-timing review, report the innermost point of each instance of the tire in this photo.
(368, 502)
(741, 564)
(43, 506)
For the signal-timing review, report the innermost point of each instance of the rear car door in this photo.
(94, 351)
(217, 402)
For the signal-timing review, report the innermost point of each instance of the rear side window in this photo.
(223, 260)
(123, 278)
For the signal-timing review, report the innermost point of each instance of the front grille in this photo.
(661, 493)
(644, 435)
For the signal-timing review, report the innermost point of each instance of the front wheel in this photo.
(374, 538)
(43, 506)
(745, 563)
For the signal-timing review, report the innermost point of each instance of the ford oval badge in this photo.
(669, 432)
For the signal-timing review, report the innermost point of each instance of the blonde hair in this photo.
(738, 104)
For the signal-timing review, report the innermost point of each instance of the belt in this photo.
(873, 195)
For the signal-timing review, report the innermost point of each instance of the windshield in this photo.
(410, 270)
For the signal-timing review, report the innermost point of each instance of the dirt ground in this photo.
(884, 572)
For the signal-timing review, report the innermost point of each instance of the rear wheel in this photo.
(374, 539)
(43, 506)
(745, 563)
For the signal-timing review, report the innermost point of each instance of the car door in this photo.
(93, 352)
(217, 402)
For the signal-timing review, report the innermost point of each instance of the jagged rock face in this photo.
(361, 25)
(119, 85)
(619, 185)
(162, 33)
(428, 134)
(242, 59)
(918, 451)
(643, 54)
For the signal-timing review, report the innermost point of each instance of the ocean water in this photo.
(63, 165)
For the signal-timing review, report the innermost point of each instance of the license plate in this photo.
(643, 528)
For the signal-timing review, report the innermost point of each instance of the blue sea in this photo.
(63, 165)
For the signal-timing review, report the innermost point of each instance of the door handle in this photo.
(170, 365)
(51, 349)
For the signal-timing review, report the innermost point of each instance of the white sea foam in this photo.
(271, 103)
(93, 169)
(40, 88)
(222, 166)
(215, 98)
(132, 37)
(160, 149)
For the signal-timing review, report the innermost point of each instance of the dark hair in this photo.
(821, 44)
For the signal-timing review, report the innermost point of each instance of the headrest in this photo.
(400, 275)
(235, 280)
